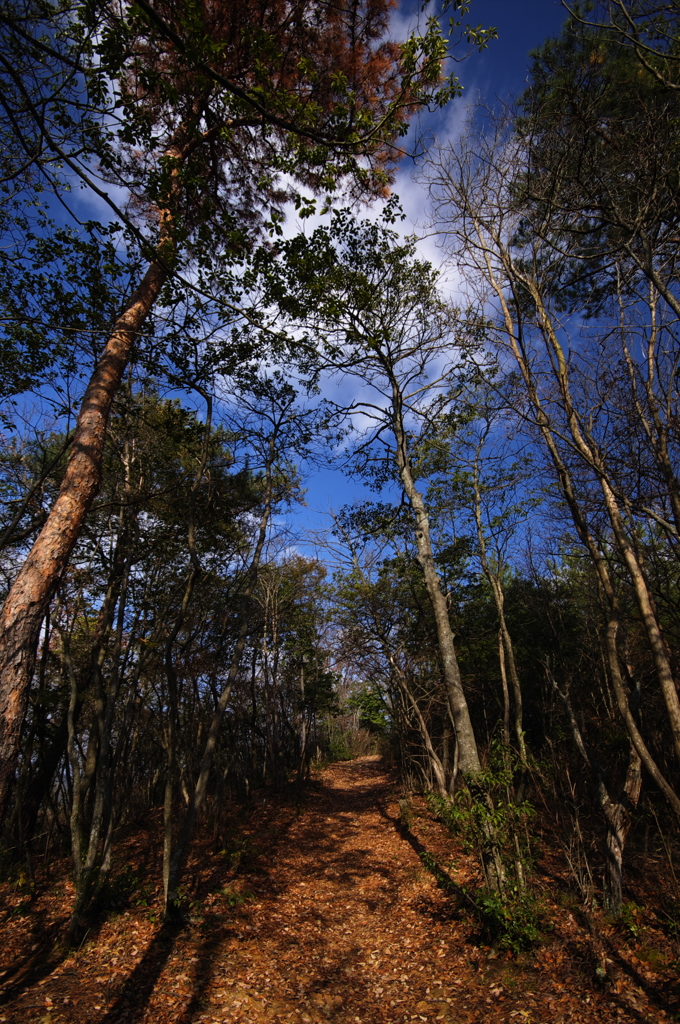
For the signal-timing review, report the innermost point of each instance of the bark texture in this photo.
(470, 763)
(28, 600)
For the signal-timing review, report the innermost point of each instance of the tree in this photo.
(127, 597)
(298, 686)
(275, 430)
(477, 476)
(389, 637)
(569, 402)
(384, 322)
(648, 27)
(601, 181)
(204, 131)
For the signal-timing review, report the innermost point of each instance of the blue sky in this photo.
(522, 25)
(497, 73)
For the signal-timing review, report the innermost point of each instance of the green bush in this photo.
(510, 920)
(485, 814)
(339, 748)
(236, 897)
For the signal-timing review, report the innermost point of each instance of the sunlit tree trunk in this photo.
(469, 762)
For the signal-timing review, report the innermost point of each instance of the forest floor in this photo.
(324, 911)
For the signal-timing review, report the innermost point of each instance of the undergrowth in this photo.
(510, 912)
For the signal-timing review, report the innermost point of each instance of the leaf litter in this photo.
(324, 912)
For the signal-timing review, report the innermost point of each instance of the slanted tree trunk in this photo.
(436, 766)
(28, 600)
(29, 597)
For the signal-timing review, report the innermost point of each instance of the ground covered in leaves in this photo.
(335, 908)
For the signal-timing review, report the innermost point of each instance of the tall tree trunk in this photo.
(514, 335)
(171, 728)
(506, 695)
(619, 821)
(28, 600)
(90, 879)
(75, 816)
(470, 763)
(303, 729)
(468, 753)
(506, 653)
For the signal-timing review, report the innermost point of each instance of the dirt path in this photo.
(330, 917)
(345, 934)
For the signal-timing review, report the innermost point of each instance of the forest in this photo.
(211, 297)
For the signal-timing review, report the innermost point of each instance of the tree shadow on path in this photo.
(36, 964)
(430, 862)
(131, 1002)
